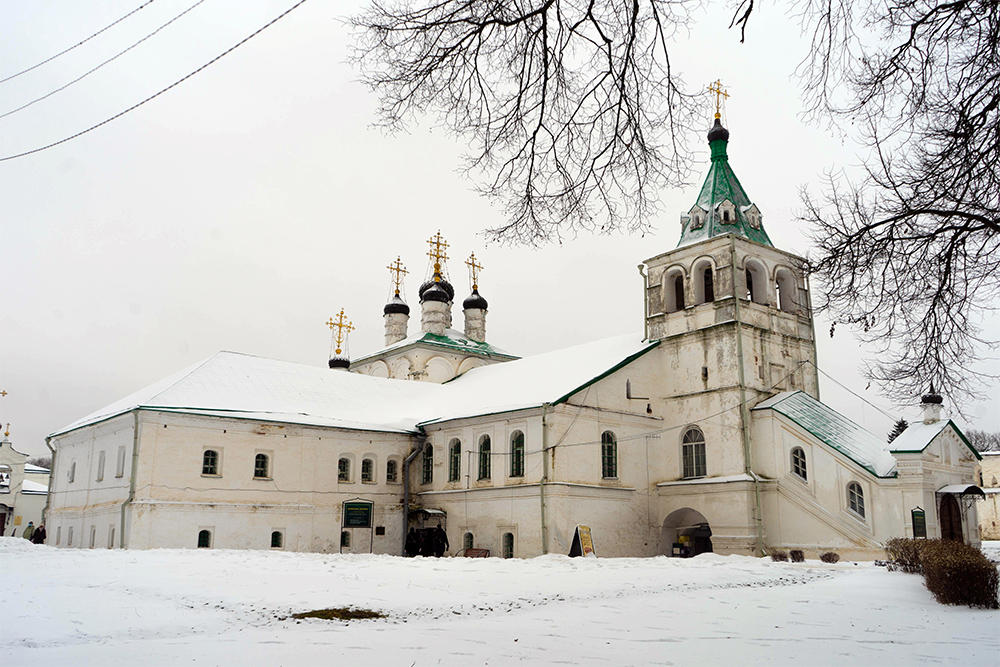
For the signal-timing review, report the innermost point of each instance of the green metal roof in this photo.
(721, 185)
(451, 340)
(852, 440)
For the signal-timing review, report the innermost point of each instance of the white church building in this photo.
(702, 432)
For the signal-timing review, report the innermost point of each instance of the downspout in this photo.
(645, 304)
(131, 481)
(744, 410)
(421, 442)
(52, 470)
(545, 476)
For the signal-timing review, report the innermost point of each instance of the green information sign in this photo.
(919, 522)
(358, 514)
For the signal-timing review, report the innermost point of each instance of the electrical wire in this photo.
(48, 60)
(848, 390)
(154, 96)
(114, 57)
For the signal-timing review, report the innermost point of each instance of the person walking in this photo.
(38, 537)
(412, 543)
(29, 531)
(440, 541)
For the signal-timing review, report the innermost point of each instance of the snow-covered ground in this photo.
(172, 607)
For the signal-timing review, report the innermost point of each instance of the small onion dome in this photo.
(436, 292)
(475, 301)
(444, 284)
(932, 397)
(396, 305)
(340, 362)
(718, 132)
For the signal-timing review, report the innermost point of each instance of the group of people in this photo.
(427, 542)
(34, 535)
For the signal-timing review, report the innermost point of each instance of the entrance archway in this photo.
(951, 519)
(685, 533)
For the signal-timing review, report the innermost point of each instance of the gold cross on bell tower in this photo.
(437, 253)
(720, 93)
(397, 270)
(474, 269)
(342, 329)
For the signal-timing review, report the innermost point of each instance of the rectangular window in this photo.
(694, 460)
(485, 447)
(428, 464)
(111, 536)
(391, 471)
(367, 470)
(58, 535)
(260, 467)
(69, 538)
(120, 467)
(100, 467)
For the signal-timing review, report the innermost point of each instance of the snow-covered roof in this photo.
(852, 440)
(30, 468)
(451, 340)
(545, 378)
(33, 488)
(242, 386)
(918, 435)
(235, 385)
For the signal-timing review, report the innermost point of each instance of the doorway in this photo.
(685, 533)
(951, 519)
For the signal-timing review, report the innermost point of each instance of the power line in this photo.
(848, 390)
(114, 57)
(154, 96)
(47, 60)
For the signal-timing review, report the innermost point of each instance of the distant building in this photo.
(705, 432)
(24, 489)
(988, 478)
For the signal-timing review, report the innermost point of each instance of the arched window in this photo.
(517, 454)
(367, 470)
(693, 453)
(428, 464)
(784, 283)
(708, 284)
(756, 282)
(673, 290)
(467, 541)
(204, 539)
(210, 462)
(856, 499)
(799, 462)
(260, 467)
(609, 455)
(344, 469)
(508, 545)
(277, 539)
(455, 460)
(391, 471)
(485, 470)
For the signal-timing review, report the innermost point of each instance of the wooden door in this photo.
(951, 520)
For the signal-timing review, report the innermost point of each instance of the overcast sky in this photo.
(243, 208)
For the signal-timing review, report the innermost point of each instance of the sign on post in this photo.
(358, 514)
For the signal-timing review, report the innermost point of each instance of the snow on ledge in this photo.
(742, 477)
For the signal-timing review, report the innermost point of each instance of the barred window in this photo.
(260, 467)
(344, 470)
(508, 545)
(517, 454)
(367, 470)
(210, 462)
(277, 539)
(609, 455)
(484, 457)
(693, 453)
(391, 471)
(455, 460)
(799, 462)
(467, 541)
(205, 539)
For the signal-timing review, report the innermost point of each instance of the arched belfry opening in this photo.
(703, 282)
(784, 283)
(673, 290)
(685, 533)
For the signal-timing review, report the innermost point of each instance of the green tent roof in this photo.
(723, 206)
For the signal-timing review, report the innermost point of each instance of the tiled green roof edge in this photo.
(830, 444)
(624, 362)
(961, 435)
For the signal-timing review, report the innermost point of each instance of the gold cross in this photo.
(474, 269)
(437, 253)
(343, 328)
(398, 271)
(3, 392)
(7, 432)
(719, 94)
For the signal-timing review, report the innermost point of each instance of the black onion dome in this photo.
(475, 300)
(396, 305)
(718, 132)
(436, 292)
(340, 362)
(443, 284)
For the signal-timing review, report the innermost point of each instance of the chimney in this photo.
(931, 403)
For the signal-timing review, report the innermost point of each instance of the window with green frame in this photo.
(609, 455)
(484, 457)
(428, 464)
(454, 460)
(517, 454)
